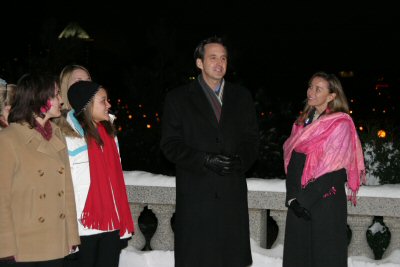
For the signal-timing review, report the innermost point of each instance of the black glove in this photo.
(220, 164)
(300, 211)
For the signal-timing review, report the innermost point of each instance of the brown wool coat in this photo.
(37, 206)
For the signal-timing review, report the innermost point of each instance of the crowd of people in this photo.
(63, 200)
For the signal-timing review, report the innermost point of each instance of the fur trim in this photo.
(65, 127)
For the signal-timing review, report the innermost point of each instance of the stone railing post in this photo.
(358, 244)
(394, 227)
(138, 240)
(280, 217)
(258, 226)
(163, 238)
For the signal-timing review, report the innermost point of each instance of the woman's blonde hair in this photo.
(65, 77)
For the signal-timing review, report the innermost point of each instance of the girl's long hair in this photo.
(85, 119)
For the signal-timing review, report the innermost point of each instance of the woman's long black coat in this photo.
(321, 242)
(212, 222)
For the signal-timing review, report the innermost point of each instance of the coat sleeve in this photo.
(8, 162)
(172, 143)
(250, 139)
(291, 180)
(315, 191)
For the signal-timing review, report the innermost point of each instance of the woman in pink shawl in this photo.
(323, 157)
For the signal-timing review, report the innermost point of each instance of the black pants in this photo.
(52, 263)
(101, 250)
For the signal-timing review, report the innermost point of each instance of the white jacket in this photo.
(80, 170)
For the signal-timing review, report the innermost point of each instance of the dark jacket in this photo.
(321, 242)
(212, 222)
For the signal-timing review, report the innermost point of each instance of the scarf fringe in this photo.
(352, 193)
(92, 221)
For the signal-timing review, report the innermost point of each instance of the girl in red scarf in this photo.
(106, 211)
(322, 156)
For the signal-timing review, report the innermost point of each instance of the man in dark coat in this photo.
(210, 132)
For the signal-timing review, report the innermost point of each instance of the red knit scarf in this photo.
(107, 206)
(46, 131)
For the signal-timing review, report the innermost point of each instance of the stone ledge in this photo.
(158, 192)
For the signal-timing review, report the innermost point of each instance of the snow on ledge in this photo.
(142, 178)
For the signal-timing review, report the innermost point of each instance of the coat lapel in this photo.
(50, 148)
(228, 103)
(200, 101)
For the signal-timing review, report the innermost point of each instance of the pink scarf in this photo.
(330, 144)
(107, 206)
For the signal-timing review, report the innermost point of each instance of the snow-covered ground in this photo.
(261, 257)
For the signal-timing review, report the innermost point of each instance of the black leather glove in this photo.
(220, 164)
(300, 211)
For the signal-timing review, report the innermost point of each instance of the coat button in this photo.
(61, 170)
(41, 219)
(62, 216)
(42, 196)
(61, 193)
(40, 172)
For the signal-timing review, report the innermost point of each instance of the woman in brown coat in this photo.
(37, 209)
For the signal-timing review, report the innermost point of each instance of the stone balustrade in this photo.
(157, 192)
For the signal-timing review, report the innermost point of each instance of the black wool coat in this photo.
(212, 221)
(321, 242)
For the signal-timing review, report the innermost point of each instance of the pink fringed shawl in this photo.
(330, 143)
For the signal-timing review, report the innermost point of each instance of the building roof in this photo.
(74, 30)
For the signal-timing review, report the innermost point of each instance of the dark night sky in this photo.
(270, 44)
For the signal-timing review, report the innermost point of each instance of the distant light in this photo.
(384, 111)
(351, 100)
(351, 112)
(130, 117)
(119, 100)
(144, 115)
(346, 74)
(381, 85)
(148, 126)
(120, 128)
(156, 114)
(140, 105)
(262, 113)
(361, 128)
(192, 78)
(381, 134)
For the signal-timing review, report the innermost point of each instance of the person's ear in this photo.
(199, 63)
(331, 96)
